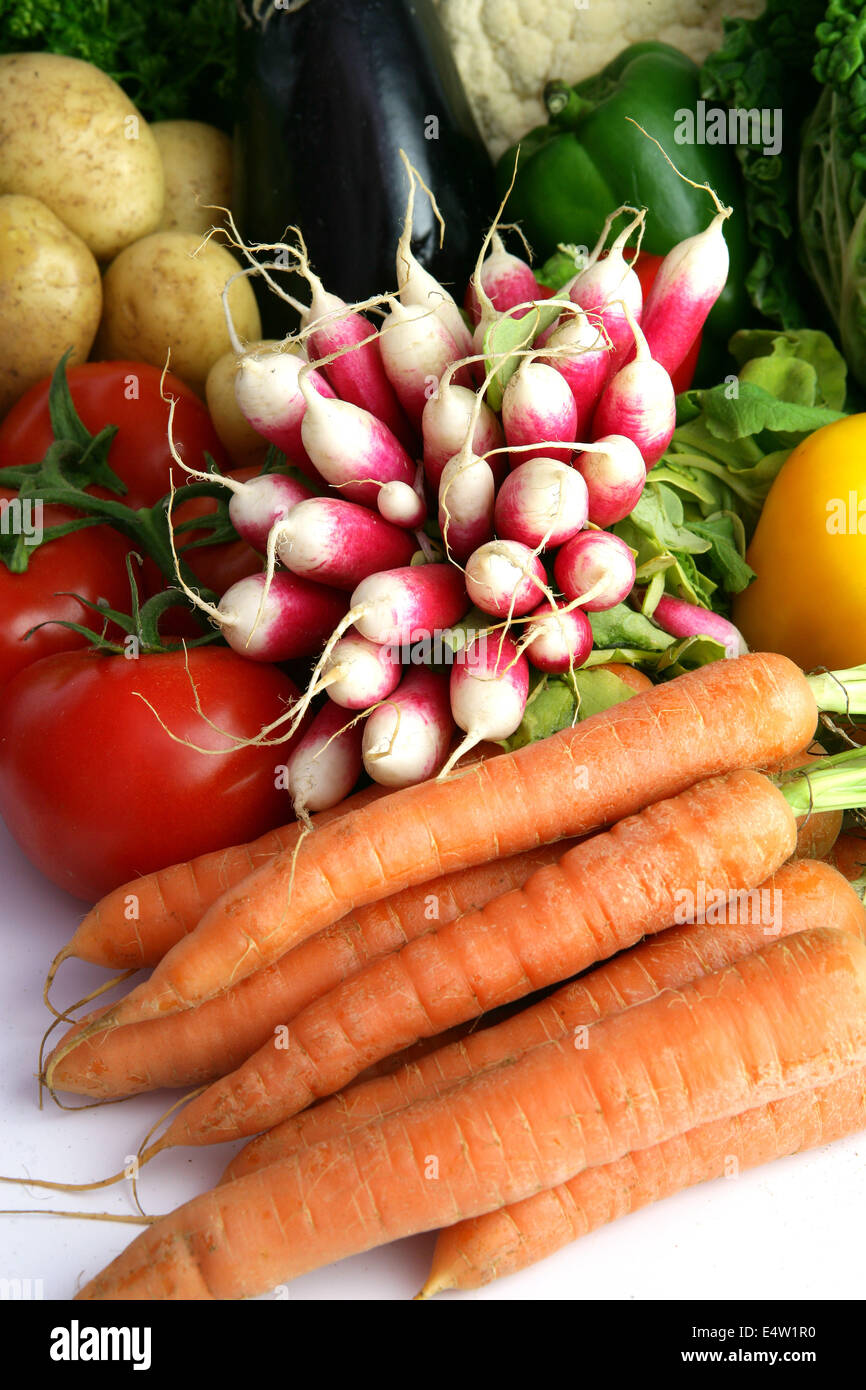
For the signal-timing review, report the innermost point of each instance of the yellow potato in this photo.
(158, 295)
(72, 138)
(197, 162)
(50, 295)
(241, 442)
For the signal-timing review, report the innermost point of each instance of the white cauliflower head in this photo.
(507, 49)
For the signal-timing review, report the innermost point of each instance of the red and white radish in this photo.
(689, 281)
(417, 285)
(259, 504)
(352, 449)
(505, 579)
(285, 620)
(682, 619)
(505, 279)
(595, 569)
(338, 543)
(557, 639)
(359, 672)
(401, 606)
(407, 738)
(467, 492)
(269, 396)
(610, 288)
(541, 503)
(639, 401)
(488, 688)
(401, 505)
(579, 351)
(538, 409)
(416, 350)
(355, 368)
(446, 422)
(615, 476)
(325, 762)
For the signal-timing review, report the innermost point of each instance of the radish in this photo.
(538, 408)
(505, 579)
(416, 350)
(615, 476)
(352, 449)
(401, 505)
(581, 354)
(505, 279)
(257, 505)
(358, 672)
(689, 281)
(417, 285)
(596, 569)
(284, 620)
(325, 762)
(557, 639)
(401, 606)
(639, 402)
(445, 425)
(683, 619)
(488, 688)
(406, 740)
(612, 289)
(269, 396)
(355, 367)
(541, 503)
(466, 497)
(338, 543)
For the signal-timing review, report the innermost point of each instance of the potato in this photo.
(241, 442)
(158, 295)
(197, 162)
(72, 138)
(50, 295)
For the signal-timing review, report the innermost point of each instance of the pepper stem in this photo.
(563, 104)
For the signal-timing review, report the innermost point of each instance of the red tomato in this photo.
(95, 791)
(646, 270)
(125, 394)
(89, 563)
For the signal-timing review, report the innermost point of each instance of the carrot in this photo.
(801, 895)
(848, 854)
(198, 1045)
(471, 1253)
(604, 894)
(788, 1018)
(630, 675)
(169, 904)
(752, 711)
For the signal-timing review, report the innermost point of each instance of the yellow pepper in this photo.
(809, 553)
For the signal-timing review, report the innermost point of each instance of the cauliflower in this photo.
(507, 49)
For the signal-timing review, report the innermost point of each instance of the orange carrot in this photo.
(802, 895)
(748, 712)
(472, 1253)
(605, 894)
(630, 675)
(786, 1019)
(849, 854)
(134, 926)
(201, 1044)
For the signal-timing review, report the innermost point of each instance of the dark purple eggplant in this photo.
(328, 94)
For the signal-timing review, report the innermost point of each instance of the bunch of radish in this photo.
(422, 502)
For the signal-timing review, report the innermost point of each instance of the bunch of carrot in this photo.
(413, 914)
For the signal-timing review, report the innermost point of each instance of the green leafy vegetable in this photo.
(174, 58)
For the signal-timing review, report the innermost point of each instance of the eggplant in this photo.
(328, 94)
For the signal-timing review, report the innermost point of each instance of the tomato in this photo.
(95, 791)
(646, 270)
(126, 394)
(90, 563)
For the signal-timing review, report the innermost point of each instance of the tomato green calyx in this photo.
(140, 627)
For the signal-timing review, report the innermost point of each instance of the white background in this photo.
(795, 1229)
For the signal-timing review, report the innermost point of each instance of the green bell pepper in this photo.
(588, 160)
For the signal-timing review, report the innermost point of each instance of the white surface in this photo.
(796, 1229)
